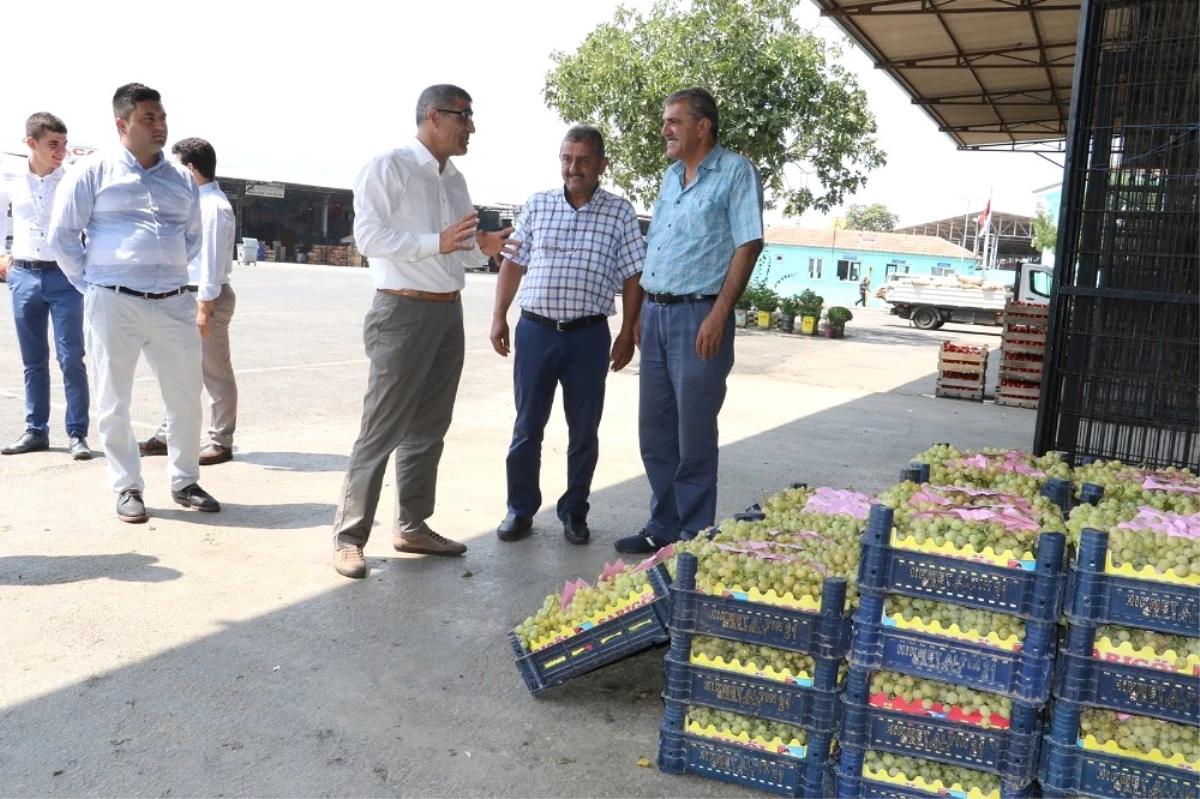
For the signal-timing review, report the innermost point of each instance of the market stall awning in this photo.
(991, 73)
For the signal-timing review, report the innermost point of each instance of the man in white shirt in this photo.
(415, 222)
(41, 292)
(141, 213)
(208, 279)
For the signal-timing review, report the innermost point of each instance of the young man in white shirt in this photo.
(208, 279)
(141, 213)
(415, 221)
(41, 292)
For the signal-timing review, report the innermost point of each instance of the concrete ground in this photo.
(221, 655)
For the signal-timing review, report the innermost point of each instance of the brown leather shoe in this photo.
(152, 446)
(348, 561)
(427, 542)
(214, 454)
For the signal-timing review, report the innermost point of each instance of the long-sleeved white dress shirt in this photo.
(31, 199)
(401, 206)
(210, 270)
(143, 225)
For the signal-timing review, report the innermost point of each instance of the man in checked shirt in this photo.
(578, 244)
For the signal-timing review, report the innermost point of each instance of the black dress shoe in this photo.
(32, 441)
(514, 527)
(196, 497)
(130, 507)
(641, 544)
(575, 529)
(79, 449)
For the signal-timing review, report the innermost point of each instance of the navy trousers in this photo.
(544, 357)
(39, 295)
(681, 396)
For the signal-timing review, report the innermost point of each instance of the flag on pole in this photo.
(985, 217)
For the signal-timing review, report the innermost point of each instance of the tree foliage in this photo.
(1045, 230)
(875, 217)
(782, 95)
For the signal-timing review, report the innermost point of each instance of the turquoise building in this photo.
(832, 262)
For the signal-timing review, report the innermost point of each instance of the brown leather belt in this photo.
(426, 296)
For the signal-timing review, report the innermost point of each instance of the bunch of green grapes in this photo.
(930, 771)
(908, 499)
(992, 707)
(1124, 482)
(1157, 642)
(973, 536)
(799, 577)
(837, 553)
(1141, 733)
(735, 724)
(759, 656)
(946, 468)
(588, 601)
(1176, 555)
(982, 622)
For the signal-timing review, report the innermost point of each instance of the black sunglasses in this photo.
(466, 115)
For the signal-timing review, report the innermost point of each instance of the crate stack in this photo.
(932, 708)
(1126, 712)
(1022, 352)
(962, 371)
(329, 254)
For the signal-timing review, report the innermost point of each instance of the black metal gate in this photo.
(1123, 376)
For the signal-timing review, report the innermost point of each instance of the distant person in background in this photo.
(208, 279)
(262, 251)
(415, 220)
(41, 292)
(864, 286)
(141, 213)
(579, 245)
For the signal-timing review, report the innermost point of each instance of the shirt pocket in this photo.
(706, 217)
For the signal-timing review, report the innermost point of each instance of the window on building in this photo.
(848, 270)
(942, 271)
(814, 268)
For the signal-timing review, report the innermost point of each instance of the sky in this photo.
(308, 97)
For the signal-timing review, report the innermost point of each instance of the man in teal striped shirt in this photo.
(705, 235)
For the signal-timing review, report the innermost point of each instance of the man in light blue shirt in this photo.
(705, 236)
(141, 213)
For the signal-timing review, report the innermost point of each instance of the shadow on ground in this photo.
(403, 684)
(295, 461)
(60, 569)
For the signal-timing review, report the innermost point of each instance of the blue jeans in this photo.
(545, 357)
(681, 396)
(38, 296)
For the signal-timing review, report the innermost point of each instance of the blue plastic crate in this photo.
(1026, 675)
(850, 784)
(823, 635)
(1011, 754)
(1114, 599)
(1090, 494)
(598, 646)
(1067, 770)
(1123, 687)
(1036, 594)
(1059, 491)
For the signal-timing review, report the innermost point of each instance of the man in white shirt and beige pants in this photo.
(415, 222)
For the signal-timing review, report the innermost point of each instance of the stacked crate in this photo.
(962, 371)
(1126, 713)
(1022, 351)
(977, 728)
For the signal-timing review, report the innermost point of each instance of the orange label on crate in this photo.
(937, 710)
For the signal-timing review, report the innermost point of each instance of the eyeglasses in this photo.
(467, 116)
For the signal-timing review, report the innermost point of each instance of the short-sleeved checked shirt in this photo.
(695, 230)
(576, 258)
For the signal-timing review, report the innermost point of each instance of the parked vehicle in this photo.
(930, 302)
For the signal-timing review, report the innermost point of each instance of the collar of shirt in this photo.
(130, 160)
(212, 187)
(425, 158)
(711, 162)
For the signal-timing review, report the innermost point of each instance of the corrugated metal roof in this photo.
(991, 73)
(864, 240)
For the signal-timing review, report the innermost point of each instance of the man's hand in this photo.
(5, 264)
(500, 340)
(456, 238)
(712, 330)
(203, 314)
(498, 242)
(622, 350)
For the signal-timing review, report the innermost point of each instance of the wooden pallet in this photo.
(1015, 402)
(948, 392)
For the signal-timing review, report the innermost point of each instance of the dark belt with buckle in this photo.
(146, 295)
(192, 289)
(672, 299)
(35, 266)
(583, 321)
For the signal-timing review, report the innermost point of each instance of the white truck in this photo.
(930, 302)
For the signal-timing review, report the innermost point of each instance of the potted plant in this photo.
(765, 302)
(741, 311)
(835, 321)
(810, 311)
(788, 308)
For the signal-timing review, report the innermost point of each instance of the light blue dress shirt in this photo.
(143, 225)
(695, 229)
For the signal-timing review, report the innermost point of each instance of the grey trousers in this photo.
(218, 373)
(416, 353)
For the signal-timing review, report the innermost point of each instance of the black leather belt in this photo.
(583, 321)
(672, 299)
(146, 295)
(192, 289)
(35, 266)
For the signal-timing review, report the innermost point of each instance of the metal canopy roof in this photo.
(993, 74)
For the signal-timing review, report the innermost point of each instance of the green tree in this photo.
(783, 97)
(1045, 230)
(875, 217)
